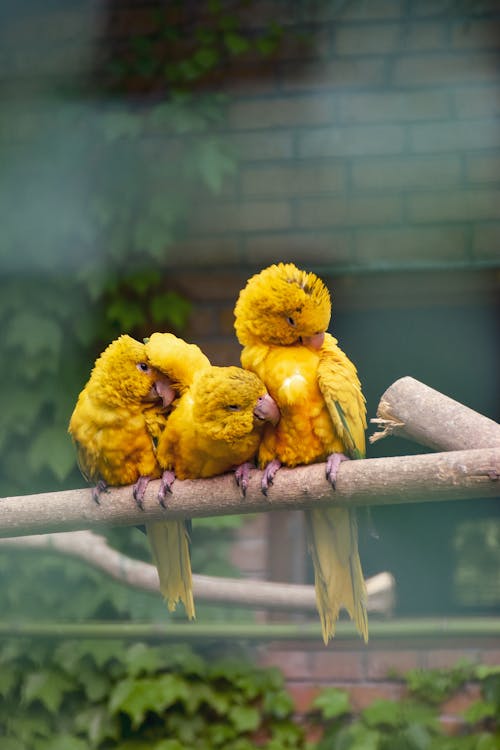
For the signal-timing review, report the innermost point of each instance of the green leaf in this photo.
(33, 334)
(212, 163)
(137, 697)
(278, 704)
(142, 659)
(236, 43)
(383, 713)
(47, 686)
(206, 58)
(478, 711)
(332, 702)
(8, 680)
(126, 313)
(244, 718)
(170, 307)
(52, 449)
(63, 742)
(96, 723)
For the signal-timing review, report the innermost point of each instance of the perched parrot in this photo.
(281, 318)
(215, 426)
(117, 422)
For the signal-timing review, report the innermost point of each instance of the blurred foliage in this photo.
(412, 723)
(477, 569)
(103, 695)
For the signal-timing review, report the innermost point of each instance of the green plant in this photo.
(113, 695)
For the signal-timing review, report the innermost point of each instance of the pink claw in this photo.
(332, 466)
(270, 472)
(166, 482)
(242, 476)
(139, 490)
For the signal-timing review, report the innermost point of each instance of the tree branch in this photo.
(402, 479)
(94, 549)
(412, 410)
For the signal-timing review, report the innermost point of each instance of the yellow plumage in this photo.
(281, 316)
(119, 416)
(216, 425)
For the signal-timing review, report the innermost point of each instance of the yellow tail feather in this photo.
(170, 547)
(338, 578)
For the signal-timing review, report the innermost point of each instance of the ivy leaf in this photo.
(63, 742)
(97, 724)
(332, 702)
(52, 449)
(382, 713)
(244, 718)
(136, 697)
(33, 334)
(170, 307)
(236, 43)
(206, 58)
(212, 163)
(8, 680)
(142, 659)
(48, 687)
(126, 313)
(279, 704)
(478, 711)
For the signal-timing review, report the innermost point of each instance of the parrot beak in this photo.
(267, 410)
(315, 342)
(164, 391)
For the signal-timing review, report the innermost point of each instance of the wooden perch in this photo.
(454, 475)
(95, 550)
(412, 410)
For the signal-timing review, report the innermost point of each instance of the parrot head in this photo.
(122, 374)
(230, 403)
(283, 305)
(175, 358)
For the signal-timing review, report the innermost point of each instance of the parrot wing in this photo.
(340, 387)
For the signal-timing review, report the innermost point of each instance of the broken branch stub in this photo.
(412, 410)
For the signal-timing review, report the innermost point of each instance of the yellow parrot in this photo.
(216, 425)
(281, 318)
(116, 424)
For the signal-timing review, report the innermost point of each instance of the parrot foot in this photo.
(332, 466)
(139, 490)
(97, 491)
(166, 482)
(242, 476)
(270, 472)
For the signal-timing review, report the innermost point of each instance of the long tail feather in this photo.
(169, 543)
(338, 578)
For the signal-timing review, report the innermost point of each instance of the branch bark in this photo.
(414, 411)
(94, 549)
(402, 479)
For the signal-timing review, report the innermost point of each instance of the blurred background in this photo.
(154, 155)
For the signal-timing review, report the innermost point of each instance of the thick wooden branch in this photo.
(412, 410)
(401, 479)
(94, 549)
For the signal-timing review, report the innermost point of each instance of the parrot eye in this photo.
(143, 367)
(233, 407)
(291, 322)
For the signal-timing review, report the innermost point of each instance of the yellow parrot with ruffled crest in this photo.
(281, 320)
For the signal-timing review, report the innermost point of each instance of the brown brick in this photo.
(463, 205)
(486, 241)
(365, 694)
(321, 212)
(476, 33)
(490, 656)
(279, 112)
(204, 251)
(401, 173)
(253, 146)
(221, 353)
(384, 664)
(303, 695)
(448, 658)
(294, 179)
(387, 38)
(202, 322)
(300, 247)
(245, 216)
(337, 665)
(408, 106)
(225, 320)
(341, 73)
(453, 136)
(411, 245)
(204, 286)
(365, 10)
(293, 664)
(480, 101)
(435, 69)
(483, 167)
(459, 702)
(351, 141)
